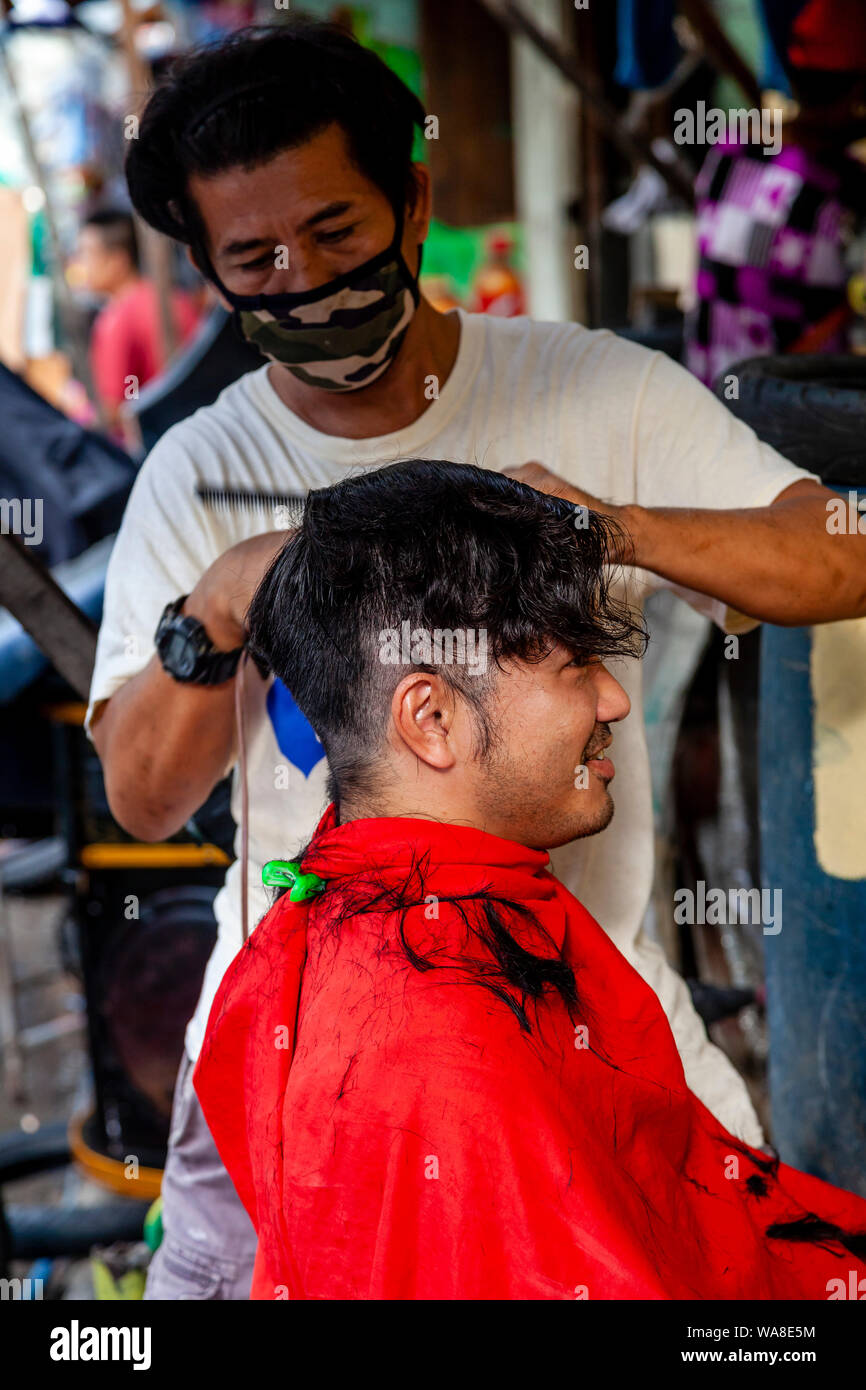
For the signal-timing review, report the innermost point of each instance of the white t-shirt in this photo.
(626, 424)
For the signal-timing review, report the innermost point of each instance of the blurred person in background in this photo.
(774, 229)
(126, 348)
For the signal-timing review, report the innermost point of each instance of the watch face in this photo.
(180, 655)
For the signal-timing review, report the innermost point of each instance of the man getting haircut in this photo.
(429, 1071)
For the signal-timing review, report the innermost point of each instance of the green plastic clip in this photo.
(277, 873)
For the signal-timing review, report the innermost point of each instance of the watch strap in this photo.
(218, 667)
(211, 666)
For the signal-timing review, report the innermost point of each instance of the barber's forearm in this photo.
(165, 744)
(780, 564)
(163, 747)
(777, 564)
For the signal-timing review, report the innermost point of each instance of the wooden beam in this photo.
(634, 146)
(473, 179)
(57, 625)
(719, 49)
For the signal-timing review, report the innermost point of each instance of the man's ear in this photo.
(421, 210)
(422, 712)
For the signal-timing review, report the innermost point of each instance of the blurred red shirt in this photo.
(126, 341)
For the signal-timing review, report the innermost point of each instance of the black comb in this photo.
(236, 498)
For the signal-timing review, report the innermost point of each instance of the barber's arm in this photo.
(163, 743)
(777, 563)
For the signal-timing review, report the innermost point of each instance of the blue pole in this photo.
(816, 965)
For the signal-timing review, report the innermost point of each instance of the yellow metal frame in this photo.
(66, 712)
(111, 1172)
(163, 855)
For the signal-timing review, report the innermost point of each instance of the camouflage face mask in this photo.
(339, 336)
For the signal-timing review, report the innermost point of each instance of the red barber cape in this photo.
(395, 1134)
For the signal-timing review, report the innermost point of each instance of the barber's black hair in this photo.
(439, 545)
(237, 103)
(116, 229)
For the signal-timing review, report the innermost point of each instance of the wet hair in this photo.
(433, 547)
(116, 231)
(265, 89)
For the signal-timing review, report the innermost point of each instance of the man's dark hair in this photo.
(263, 90)
(437, 545)
(116, 231)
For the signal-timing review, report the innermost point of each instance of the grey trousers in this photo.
(209, 1244)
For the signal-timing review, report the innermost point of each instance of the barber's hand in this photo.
(535, 475)
(223, 594)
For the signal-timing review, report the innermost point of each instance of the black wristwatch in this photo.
(186, 651)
